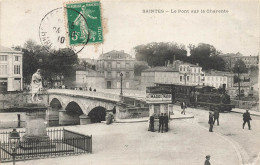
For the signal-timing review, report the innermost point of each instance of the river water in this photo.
(10, 120)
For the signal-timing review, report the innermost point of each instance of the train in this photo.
(206, 97)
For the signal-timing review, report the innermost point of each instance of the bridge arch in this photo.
(55, 104)
(97, 114)
(70, 116)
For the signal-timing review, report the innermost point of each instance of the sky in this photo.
(127, 26)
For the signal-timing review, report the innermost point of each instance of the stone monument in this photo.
(35, 127)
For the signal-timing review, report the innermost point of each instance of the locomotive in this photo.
(197, 96)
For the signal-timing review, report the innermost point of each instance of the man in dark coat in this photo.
(183, 107)
(216, 116)
(161, 123)
(210, 122)
(247, 118)
(207, 160)
(166, 120)
(152, 123)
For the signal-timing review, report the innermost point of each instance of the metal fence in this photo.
(61, 142)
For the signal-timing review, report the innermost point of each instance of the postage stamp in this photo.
(84, 23)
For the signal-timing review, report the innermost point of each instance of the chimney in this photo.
(168, 63)
(197, 64)
(165, 63)
(173, 57)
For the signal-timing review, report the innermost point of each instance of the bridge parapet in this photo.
(97, 95)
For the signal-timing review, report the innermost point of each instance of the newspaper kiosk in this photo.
(159, 101)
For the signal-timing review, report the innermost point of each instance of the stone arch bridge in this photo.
(73, 106)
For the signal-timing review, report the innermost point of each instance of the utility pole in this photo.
(238, 81)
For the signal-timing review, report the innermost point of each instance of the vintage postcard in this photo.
(120, 82)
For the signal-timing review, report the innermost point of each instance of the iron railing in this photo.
(61, 142)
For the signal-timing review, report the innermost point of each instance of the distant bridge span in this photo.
(71, 105)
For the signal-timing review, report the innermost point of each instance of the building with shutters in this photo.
(11, 69)
(112, 64)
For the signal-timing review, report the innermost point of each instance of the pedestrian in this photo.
(151, 123)
(210, 122)
(161, 123)
(247, 118)
(166, 120)
(216, 116)
(207, 160)
(183, 106)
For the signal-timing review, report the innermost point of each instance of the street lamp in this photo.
(121, 75)
(185, 75)
(238, 70)
(14, 139)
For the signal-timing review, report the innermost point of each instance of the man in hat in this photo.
(166, 120)
(151, 123)
(216, 116)
(161, 123)
(247, 118)
(207, 160)
(211, 121)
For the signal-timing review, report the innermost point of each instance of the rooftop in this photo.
(160, 69)
(217, 73)
(114, 54)
(8, 50)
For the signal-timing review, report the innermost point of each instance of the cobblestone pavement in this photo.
(245, 141)
(187, 142)
(131, 143)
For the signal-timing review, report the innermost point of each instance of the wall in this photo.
(130, 113)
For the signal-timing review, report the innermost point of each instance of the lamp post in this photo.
(14, 139)
(121, 92)
(238, 70)
(185, 75)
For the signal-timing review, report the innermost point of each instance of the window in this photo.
(109, 65)
(180, 68)
(118, 84)
(127, 75)
(3, 58)
(3, 69)
(127, 65)
(127, 84)
(188, 78)
(16, 69)
(16, 58)
(118, 64)
(184, 69)
(117, 74)
(109, 74)
(195, 70)
(180, 78)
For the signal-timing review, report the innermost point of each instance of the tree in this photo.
(156, 54)
(139, 67)
(55, 64)
(207, 56)
(240, 67)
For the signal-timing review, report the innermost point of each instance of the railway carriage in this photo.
(197, 96)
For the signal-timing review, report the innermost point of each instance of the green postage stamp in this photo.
(84, 23)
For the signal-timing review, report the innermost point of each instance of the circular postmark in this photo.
(56, 32)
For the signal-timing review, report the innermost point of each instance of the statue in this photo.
(36, 85)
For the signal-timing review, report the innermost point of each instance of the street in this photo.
(187, 142)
